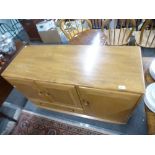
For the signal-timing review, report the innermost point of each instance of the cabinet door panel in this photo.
(28, 88)
(108, 105)
(60, 94)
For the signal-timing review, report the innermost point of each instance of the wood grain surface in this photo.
(93, 66)
(102, 82)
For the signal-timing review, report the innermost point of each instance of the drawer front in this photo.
(60, 94)
(57, 107)
(108, 105)
(28, 88)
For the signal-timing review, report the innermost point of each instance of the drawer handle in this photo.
(40, 93)
(86, 103)
(72, 110)
(40, 103)
(47, 94)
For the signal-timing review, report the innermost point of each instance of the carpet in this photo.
(30, 124)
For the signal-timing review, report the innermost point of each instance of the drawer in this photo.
(60, 94)
(57, 107)
(111, 106)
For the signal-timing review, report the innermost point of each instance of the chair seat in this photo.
(144, 42)
(117, 36)
(73, 32)
(72, 29)
(88, 37)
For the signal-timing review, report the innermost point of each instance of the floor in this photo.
(16, 102)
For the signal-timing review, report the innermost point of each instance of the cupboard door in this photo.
(28, 88)
(60, 94)
(108, 105)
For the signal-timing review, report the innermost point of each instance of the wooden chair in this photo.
(117, 32)
(146, 36)
(72, 28)
(96, 23)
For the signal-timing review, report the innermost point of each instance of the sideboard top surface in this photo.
(102, 67)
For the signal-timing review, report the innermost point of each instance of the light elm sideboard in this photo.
(99, 82)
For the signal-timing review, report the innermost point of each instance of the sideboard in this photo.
(99, 82)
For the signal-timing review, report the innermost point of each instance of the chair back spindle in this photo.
(119, 31)
(146, 36)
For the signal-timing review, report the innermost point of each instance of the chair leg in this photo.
(18, 37)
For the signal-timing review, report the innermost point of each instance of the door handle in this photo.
(47, 94)
(40, 93)
(86, 103)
